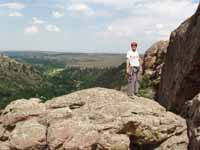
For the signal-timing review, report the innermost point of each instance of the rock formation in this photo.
(180, 75)
(180, 81)
(153, 61)
(191, 112)
(97, 118)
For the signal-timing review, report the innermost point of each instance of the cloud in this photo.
(57, 14)
(34, 27)
(14, 5)
(107, 21)
(130, 4)
(80, 8)
(38, 23)
(35, 21)
(15, 14)
(146, 22)
(118, 4)
(13, 9)
(156, 19)
(52, 28)
(31, 29)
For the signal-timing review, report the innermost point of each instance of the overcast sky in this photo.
(89, 25)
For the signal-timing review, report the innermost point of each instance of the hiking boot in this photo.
(138, 95)
(132, 96)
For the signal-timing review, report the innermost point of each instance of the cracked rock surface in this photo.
(96, 118)
(191, 112)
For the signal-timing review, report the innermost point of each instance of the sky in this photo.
(96, 26)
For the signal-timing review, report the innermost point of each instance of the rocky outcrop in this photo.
(153, 61)
(180, 81)
(96, 118)
(180, 75)
(191, 111)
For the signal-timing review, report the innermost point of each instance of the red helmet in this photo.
(134, 44)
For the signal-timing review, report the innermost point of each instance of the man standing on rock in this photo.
(132, 70)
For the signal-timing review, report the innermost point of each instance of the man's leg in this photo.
(137, 83)
(130, 83)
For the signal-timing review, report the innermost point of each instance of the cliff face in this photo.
(191, 112)
(153, 61)
(180, 75)
(180, 83)
(91, 119)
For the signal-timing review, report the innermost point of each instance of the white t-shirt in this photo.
(133, 57)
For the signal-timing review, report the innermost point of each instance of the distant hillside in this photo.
(21, 80)
(61, 59)
(11, 69)
(18, 80)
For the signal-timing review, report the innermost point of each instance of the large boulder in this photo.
(180, 75)
(89, 119)
(153, 62)
(23, 125)
(191, 111)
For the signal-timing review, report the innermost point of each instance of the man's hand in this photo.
(128, 71)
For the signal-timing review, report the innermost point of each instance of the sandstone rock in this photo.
(28, 135)
(175, 143)
(97, 118)
(4, 146)
(104, 118)
(154, 56)
(191, 111)
(180, 75)
(22, 126)
(153, 61)
(22, 110)
(180, 80)
(2, 131)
